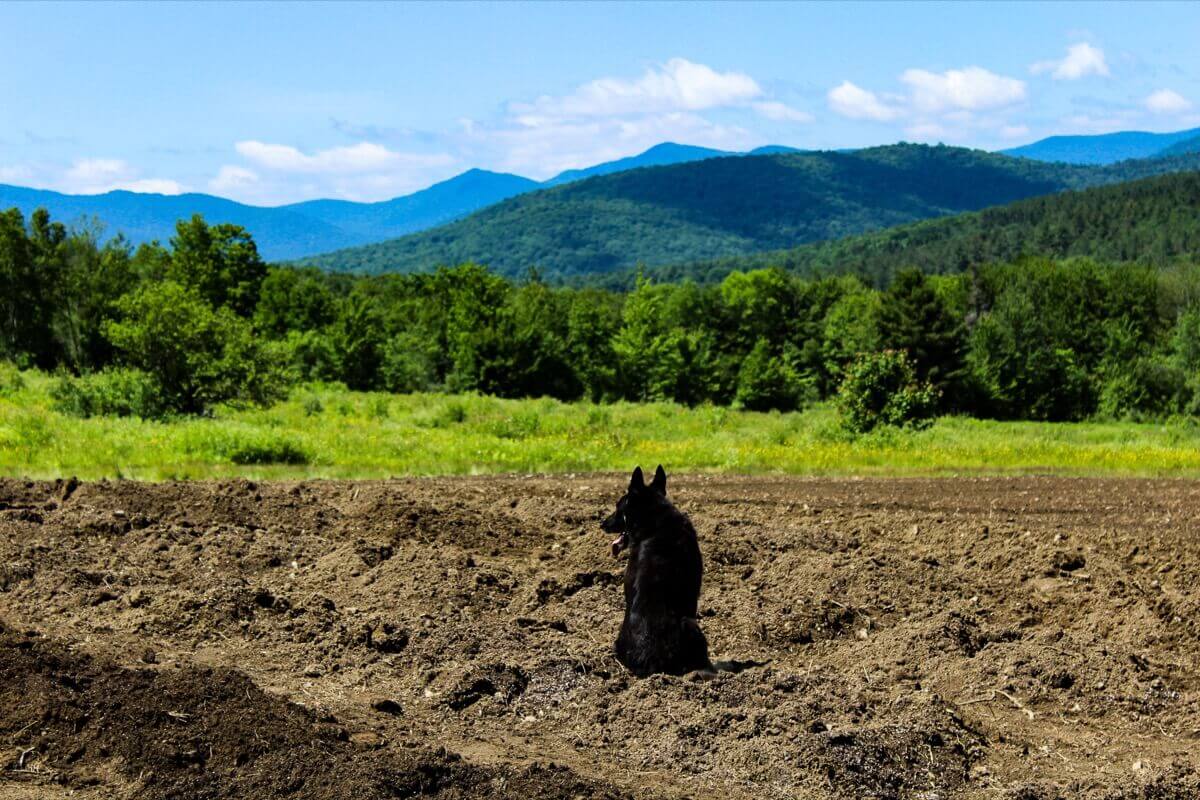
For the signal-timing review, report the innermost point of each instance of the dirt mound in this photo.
(1020, 639)
(212, 733)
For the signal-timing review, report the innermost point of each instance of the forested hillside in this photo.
(729, 206)
(1154, 221)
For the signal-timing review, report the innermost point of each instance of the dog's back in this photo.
(660, 631)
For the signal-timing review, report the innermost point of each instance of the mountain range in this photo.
(1109, 148)
(317, 226)
(342, 234)
(721, 207)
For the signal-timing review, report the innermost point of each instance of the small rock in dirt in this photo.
(387, 706)
(388, 638)
(149, 657)
(313, 671)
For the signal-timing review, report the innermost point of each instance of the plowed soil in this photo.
(1027, 639)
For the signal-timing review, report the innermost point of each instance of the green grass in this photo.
(329, 432)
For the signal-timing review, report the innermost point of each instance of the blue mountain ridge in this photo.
(318, 226)
(1109, 148)
(298, 230)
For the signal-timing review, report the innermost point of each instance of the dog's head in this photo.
(635, 509)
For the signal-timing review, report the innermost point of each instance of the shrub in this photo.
(379, 407)
(11, 381)
(112, 392)
(198, 356)
(263, 448)
(453, 414)
(520, 425)
(312, 406)
(882, 389)
(767, 382)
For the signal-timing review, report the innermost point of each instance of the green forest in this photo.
(1152, 221)
(722, 207)
(161, 331)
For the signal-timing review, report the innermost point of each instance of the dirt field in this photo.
(1024, 639)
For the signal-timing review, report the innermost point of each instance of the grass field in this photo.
(326, 431)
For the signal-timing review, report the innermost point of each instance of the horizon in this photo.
(366, 102)
(547, 183)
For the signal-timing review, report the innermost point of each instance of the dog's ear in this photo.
(637, 482)
(659, 484)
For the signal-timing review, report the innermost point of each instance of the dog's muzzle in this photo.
(615, 524)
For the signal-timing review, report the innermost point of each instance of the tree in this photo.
(220, 261)
(357, 338)
(24, 334)
(1022, 369)
(197, 355)
(766, 381)
(914, 319)
(292, 300)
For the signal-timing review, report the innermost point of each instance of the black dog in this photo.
(660, 632)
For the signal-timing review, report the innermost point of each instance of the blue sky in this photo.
(276, 102)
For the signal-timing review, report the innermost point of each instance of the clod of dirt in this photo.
(1068, 562)
(387, 706)
(387, 638)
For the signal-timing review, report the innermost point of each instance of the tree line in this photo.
(178, 329)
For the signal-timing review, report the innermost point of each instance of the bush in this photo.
(112, 392)
(882, 389)
(767, 382)
(520, 425)
(312, 406)
(263, 448)
(198, 356)
(11, 381)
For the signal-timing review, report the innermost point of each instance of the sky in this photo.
(280, 102)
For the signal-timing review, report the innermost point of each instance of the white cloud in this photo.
(361, 157)
(548, 149)
(100, 175)
(16, 173)
(972, 88)
(1081, 60)
(612, 118)
(678, 85)
(365, 171)
(1014, 131)
(153, 186)
(1166, 101)
(781, 112)
(231, 179)
(858, 103)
